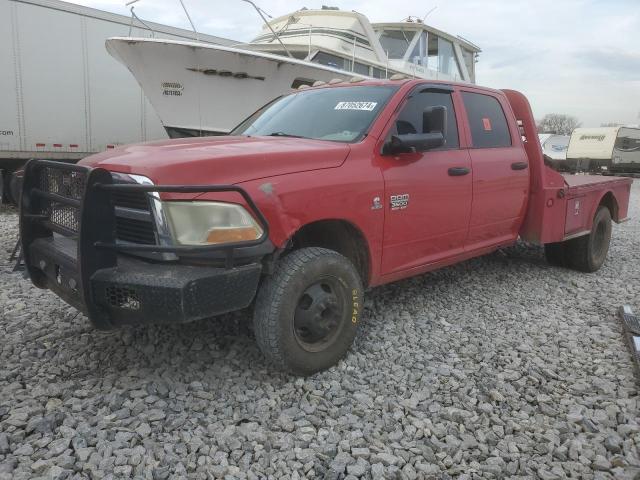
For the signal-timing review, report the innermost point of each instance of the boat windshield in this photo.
(341, 114)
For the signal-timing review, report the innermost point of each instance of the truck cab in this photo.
(316, 197)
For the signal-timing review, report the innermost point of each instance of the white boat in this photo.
(203, 89)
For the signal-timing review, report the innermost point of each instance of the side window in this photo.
(410, 118)
(488, 124)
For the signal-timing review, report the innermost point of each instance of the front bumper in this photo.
(67, 226)
(137, 291)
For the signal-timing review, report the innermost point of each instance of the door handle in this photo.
(458, 171)
(519, 165)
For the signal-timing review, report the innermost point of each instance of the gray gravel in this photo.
(501, 367)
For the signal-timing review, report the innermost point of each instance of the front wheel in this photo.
(307, 313)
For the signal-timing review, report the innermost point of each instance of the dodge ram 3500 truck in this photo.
(315, 197)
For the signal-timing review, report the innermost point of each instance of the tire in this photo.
(588, 253)
(555, 254)
(312, 292)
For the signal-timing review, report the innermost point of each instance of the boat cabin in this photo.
(348, 41)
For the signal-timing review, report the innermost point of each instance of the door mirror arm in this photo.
(413, 142)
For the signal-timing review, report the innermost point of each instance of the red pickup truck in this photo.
(317, 196)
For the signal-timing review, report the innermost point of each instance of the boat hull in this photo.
(203, 89)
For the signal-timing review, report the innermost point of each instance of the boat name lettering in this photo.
(225, 73)
(172, 89)
(366, 106)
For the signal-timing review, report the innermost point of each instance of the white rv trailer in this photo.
(62, 96)
(605, 150)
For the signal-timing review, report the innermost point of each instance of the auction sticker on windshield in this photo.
(366, 106)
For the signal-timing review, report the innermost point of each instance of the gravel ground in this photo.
(500, 367)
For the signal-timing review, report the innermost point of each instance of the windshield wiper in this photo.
(283, 134)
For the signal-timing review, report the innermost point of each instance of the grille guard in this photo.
(79, 197)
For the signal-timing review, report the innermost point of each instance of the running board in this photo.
(631, 324)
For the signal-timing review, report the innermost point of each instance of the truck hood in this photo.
(220, 160)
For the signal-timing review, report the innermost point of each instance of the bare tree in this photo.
(558, 123)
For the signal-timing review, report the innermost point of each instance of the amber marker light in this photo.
(232, 235)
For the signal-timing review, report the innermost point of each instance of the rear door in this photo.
(427, 194)
(500, 171)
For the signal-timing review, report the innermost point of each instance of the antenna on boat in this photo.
(190, 21)
(428, 13)
(260, 12)
(133, 15)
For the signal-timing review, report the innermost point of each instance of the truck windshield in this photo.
(341, 114)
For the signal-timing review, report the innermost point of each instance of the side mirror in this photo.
(413, 142)
(434, 119)
(434, 134)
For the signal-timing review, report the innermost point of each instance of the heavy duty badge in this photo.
(399, 202)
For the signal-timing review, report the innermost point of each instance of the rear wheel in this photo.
(588, 253)
(307, 312)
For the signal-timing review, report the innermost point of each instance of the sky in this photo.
(577, 57)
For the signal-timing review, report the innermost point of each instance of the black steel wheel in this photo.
(307, 313)
(319, 313)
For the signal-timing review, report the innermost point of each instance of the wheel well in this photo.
(340, 236)
(609, 201)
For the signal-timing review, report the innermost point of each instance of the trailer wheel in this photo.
(307, 313)
(555, 254)
(588, 253)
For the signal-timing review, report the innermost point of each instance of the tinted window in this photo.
(410, 118)
(378, 73)
(488, 124)
(332, 61)
(341, 114)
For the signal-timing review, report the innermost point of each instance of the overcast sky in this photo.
(580, 57)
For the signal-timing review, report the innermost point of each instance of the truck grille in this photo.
(135, 231)
(134, 219)
(135, 200)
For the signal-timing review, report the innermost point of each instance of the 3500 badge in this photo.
(399, 202)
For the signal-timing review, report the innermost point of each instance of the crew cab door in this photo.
(427, 198)
(500, 172)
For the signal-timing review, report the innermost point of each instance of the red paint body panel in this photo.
(220, 160)
(448, 219)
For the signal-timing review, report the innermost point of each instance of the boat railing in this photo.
(135, 17)
(266, 22)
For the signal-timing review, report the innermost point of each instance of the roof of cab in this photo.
(401, 81)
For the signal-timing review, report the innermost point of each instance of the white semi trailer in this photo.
(62, 96)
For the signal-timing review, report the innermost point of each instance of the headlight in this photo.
(207, 223)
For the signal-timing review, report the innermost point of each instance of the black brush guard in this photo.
(68, 232)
